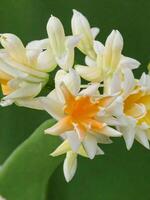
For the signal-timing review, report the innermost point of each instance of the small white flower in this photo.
(23, 71)
(133, 111)
(78, 121)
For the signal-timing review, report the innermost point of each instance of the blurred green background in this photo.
(119, 174)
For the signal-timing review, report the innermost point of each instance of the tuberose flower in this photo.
(78, 113)
(23, 70)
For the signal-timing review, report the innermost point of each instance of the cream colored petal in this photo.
(28, 90)
(90, 62)
(99, 151)
(52, 106)
(71, 80)
(89, 73)
(73, 140)
(70, 165)
(7, 69)
(91, 90)
(34, 48)
(141, 137)
(81, 26)
(22, 68)
(98, 47)
(14, 47)
(56, 36)
(46, 61)
(61, 149)
(30, 103)
(60, 127)
(95, 31)
(90, 145)
(110, 132)
(130, 63)
(129, 82)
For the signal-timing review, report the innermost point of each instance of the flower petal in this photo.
(90, 145)
(70, 165)
(62, 149)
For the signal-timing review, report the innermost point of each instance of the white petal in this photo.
(130, 63)
(91, 90)
(6, 68)
(81, 26)
(61, 149)
(142, 138)
(102, 139)
(46, 61)
(27, 91)
(72, 41)
(73, 140)
(14, 47)
(21, 67)
(89, 73)
(98, 47)
(30, 103)
(70, 165)
(90, 62)
(95, 31)
(56, 35)
(129, 81)
(99, 151)
(52, 105)
(110, 132)
(116, 83)
(34, 48)
(90, 146)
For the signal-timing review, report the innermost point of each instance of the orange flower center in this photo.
(138, 106)
(81, 112)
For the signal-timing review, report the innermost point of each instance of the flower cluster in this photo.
(110, 103)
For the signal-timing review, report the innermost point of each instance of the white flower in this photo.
(23, 71)
(109, 61)
(133, 111)
(81, 27)
(77, 113)
(62, 46)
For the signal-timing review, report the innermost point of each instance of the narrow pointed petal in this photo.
(128, 135)
(60, 127)
(73, 140)
(90, 145)
(110, 132)
(70, 165)
(99, 151)
(62, 149)
(142, 138)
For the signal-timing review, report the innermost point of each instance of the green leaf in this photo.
(25, 174)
